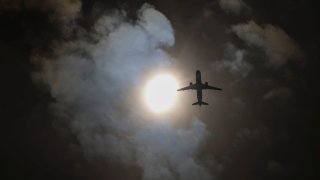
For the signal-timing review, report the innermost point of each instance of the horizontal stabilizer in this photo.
(200, 103)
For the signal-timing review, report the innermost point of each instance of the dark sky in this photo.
(71, 71)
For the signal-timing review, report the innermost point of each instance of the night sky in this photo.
(73, 71)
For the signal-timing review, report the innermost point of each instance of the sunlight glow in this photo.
(161, 92)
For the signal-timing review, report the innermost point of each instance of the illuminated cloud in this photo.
(93, 80)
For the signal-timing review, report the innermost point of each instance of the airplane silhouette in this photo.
(199, 86)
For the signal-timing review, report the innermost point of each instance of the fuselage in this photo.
(198, 82)
(198, 77)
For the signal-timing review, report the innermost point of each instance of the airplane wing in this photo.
(206, 86)
(192, 86)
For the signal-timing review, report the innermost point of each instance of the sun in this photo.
(161, 92)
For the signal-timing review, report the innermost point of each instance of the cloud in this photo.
(247, 136)
(233, 6)
(279, 92)
(207, 13)
(164, 150)
(276, 43)
(280, 47)
(94, 80)
(239, 103)
(275, 167)
(61, 11)
(234, 62)
(251, 33)
(66, 8)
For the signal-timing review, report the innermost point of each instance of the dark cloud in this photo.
(274, 167)
(64, 9)
(234, 62)
(233, 6)
(247, 136)
(276, 43)
(239, 103)
(280, 92)
(79, 115)
(62, 12)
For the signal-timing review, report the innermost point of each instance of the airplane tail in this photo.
(200, 103)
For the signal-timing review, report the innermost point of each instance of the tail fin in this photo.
(200, 103)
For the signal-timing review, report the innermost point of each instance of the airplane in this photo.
(199, 86)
